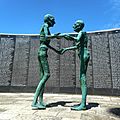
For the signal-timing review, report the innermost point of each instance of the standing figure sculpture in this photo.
(81, 45)
(49, 21)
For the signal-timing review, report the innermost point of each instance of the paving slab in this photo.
(17, 106)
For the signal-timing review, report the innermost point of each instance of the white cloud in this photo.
(112, 25)
(114, 11)
(115, 4)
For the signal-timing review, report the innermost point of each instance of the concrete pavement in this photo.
(17, 106)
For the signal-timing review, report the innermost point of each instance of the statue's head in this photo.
(78, 25)
(49, 19)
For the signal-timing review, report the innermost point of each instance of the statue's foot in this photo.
(41, 106)
(78, 108)
(38, 106)
(44, 104)
(34, 106)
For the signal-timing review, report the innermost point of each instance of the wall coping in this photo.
(107, 30)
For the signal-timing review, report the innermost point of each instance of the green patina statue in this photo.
(49, 21)
(81, 45)
(83, 53)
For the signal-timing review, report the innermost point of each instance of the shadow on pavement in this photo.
(91, 105)
(115, 111)
(62, 103)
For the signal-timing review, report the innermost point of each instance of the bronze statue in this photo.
(81, 45)
(83, 54)
(49, 21)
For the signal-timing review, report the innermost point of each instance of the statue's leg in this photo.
(41, 76)
(35, 103)
(84, 65)
(41, 97)
(40, 87)
(83, 68)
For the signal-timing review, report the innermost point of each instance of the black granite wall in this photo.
(19, 68)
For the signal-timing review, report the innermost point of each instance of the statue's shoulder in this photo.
(45, 25)
(83, 32)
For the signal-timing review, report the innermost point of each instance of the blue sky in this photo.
(26, 16)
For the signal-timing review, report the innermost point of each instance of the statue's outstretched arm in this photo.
(76, 39)
(57, 51)
(69, 37)
(69, 48)
(59, 36)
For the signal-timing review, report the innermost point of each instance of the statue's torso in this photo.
(82, 49)
(42, 51)
(43, 41)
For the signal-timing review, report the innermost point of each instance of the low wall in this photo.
(19, 68)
